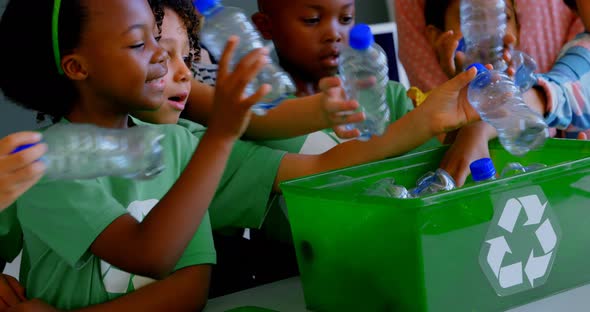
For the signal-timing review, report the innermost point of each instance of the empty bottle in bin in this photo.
(84, 151)
(364, 71)
(499, 102)
(222, 22)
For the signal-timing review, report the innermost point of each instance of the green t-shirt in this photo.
(246, 185)
(10, 235)
(61, 219)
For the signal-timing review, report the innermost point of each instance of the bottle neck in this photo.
(213, 10)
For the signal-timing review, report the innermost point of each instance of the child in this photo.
(253, 171)
(323, 25)
(91, 242)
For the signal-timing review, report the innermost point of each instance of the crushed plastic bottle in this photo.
(387, 188)
(515, 168)
(84, 151)
(433, 182)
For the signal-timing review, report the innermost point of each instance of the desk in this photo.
(287, 296)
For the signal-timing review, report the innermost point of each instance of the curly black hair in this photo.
(29, 74)
(192, 21)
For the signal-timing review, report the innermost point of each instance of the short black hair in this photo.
(434, 12)
(29, 74)
(192, 21)
(572, 4)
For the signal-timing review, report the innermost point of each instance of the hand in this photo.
(447, 105)
(509, 41)
(19, 171)
(337, 110)
(470, 144)
(34, 305)
(231, 109)
(451, 61)
(11, 292)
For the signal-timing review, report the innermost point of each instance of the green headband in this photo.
(55, 35)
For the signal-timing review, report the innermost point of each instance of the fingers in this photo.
(582, 136)
(344, 133)
(226, 57)
(328, 83)
(19, 290)
(8, 296)
(460, 60)
(10, 142)
(12, 162)
(248, 68)
(257, 96)
(462, 79)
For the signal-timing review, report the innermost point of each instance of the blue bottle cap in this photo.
(22, 147)
(361, 37)
(481, 80)
(461, 46)
(482, 169)
(204, 6)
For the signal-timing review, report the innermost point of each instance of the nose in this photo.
(160, 55)
(333, 32)
(183, 72)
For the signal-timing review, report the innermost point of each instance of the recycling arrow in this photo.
(498, 247)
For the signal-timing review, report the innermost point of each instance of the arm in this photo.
(441, 112)
(292, 118)
(565, 91)
(415, 53)
(183, 290)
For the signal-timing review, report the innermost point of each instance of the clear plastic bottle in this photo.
(482, 170)
(483, 25)
(222, 22)
(515, 168)
(84, 151)
(499, 102)
(364, 72)
(525, 66)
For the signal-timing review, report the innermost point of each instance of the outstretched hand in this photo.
(231, 111)
(338, 111)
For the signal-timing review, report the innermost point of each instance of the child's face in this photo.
(178, 79)
(309, 34)
(121, 64)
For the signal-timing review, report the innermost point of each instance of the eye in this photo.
(311, 21)
(347, 19)
(137, 46)
(158, 38)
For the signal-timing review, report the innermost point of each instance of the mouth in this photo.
(178, 101)
(331, 58)
(156, 84)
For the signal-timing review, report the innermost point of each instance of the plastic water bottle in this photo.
(222, 22)
(483, 25)
(499, 102)
(482, 170)
(525, 67)
(433, 182)
(84, 151)
(364, 72)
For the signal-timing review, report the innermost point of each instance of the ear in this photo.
(262, 22)
(432, 34)
(73, 67)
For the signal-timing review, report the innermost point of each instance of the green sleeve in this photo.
(68, 216)
(11, 237)
(246, 186)
(200, 249)
(397, 100)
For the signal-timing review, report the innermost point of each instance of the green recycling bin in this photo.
(483, 247)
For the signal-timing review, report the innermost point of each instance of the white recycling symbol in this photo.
(534, 267)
